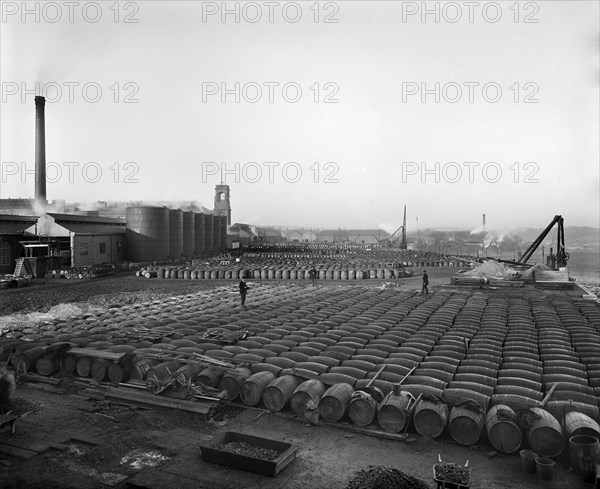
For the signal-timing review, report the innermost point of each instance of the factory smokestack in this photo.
(484, 220)
(40, 152)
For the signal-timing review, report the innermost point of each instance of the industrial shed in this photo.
(90, 240)
(12, 231)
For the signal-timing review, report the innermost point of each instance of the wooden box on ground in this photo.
(252, 464)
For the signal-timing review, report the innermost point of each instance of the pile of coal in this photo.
(380, 477)
(243, 448)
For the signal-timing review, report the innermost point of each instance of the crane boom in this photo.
(561, 256)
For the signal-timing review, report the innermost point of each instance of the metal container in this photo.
(147, 233)
(199, 232)
(175, 233)
(189, 234)
(208, 232)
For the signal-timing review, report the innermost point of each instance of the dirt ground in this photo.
(76, 441)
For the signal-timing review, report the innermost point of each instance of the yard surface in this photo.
(75, 440)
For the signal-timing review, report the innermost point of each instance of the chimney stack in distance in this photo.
(484, 220)
(40, 152)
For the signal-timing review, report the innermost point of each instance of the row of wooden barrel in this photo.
(271, 273)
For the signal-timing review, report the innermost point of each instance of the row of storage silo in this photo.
(158, 233)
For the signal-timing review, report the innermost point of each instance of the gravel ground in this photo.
(122, 289)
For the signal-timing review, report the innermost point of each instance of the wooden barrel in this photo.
(576, 423)
(453, 395)
(363, 408)
(157, 373)
(232, 382)
(465, 425)
(430, 417)
(140, 369)
(545, 435)
(99, 369)
(265, 367)
(210, 376)
(334, 402)
(68, 364)
(47, 365)
(27, 359)
(502, 430)
(117, 373)
(393, 412)
(519, 391)
(279, 391)
(309, 390)
(253, 387)
(83, 366)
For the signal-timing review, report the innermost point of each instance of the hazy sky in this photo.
(336, 122)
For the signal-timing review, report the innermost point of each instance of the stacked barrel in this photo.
(471, 363)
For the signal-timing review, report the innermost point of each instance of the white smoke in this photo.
(490, 236)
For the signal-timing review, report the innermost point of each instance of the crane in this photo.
(554, 261)
(393, 239)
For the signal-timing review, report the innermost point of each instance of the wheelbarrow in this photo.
(449, 475)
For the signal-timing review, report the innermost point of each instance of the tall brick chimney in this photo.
(40, 151)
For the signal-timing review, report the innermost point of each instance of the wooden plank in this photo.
(90, 352)
(27, 444)
(16, 452)
(137, 396)
(157, 479)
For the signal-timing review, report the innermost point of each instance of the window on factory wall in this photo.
(102, 248)
(83, 250)
(4, 254)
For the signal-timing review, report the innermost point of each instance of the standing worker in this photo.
(243, 288)
(425, 283)
(312, 273)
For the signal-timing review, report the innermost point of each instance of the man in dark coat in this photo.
(425, 283)
(243, 288)
(312, 273)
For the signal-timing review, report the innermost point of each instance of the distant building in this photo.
(301, 236)
(352, 236)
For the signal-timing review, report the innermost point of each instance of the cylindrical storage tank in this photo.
(253, 387)
(310, 390)
(335, 400)
(189, 234)
(208, 232)
(393, 411)
(147, 233)
(544, 435)
(199, 232)
(216, 222)
(430, 417)
(223, 233)
(465, 424)
(279, 392)
(175, 233)
(502, 430)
